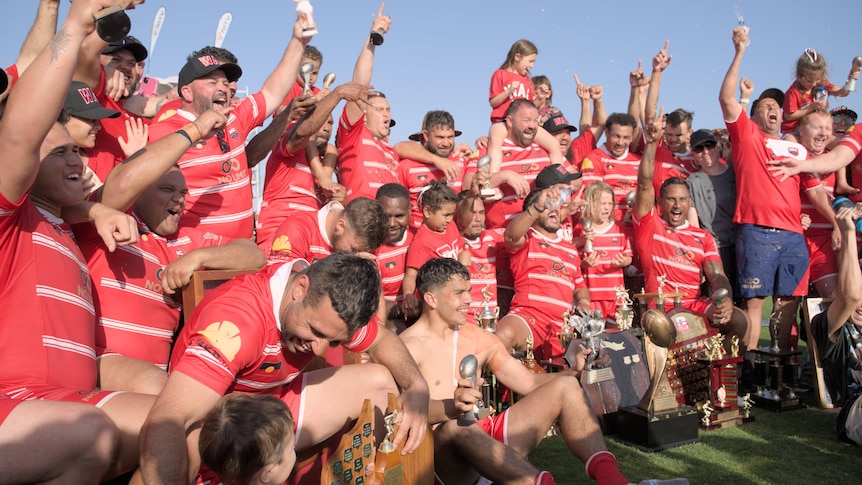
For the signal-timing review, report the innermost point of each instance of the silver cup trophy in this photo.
(305, 71)
(303, 7)
(484, 164)
(468, 369)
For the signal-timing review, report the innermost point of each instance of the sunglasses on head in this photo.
(222, 142)
(704, 146)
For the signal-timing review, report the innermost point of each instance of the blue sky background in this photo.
(441, 54)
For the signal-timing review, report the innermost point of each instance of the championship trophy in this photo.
(776, 370)
(305, 71)
(588, 243)
(487, 319)
(660, 420)
(624, 314)
(589, 327)
(721, 409)
(328, 79)
(484, 164)
(468, 368)
(303, 7)
(850, 85)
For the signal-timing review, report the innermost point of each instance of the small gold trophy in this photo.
(589, 327)
(566, 331)
(624, 314)
(487, 319)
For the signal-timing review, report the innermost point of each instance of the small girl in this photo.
(544, 98)
(248, 440)
(437, 237)
(508, 83)
(799, 99)
(611, 249)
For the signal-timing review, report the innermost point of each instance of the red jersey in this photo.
(107, 153)
(303, 236)
(364, 162)
(607, 243)
(620, 173)
(811, 181)
(234, 343)
(761, 198)
(581, 147)
(525, 161)
(483, 270)
(135, 317)
(415, 175)
(853, 140)
(546, 273)
(392, 263)
(48, 324)
(217, 173)
(288, 188)
(794, 100)
(679, 253)
(430, 244)
(500, 81)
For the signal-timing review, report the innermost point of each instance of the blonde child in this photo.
(800, 98)
(437, 237)
(249, 440)
(611, 248)
(510, 82)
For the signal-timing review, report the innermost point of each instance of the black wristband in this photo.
(185, 135)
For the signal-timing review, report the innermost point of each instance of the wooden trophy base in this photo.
(726, 419)
(637, 428)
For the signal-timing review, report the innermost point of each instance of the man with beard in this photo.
(392, 254)
(485, 246)
(669, 246)
(613, 163)
(295, 166)
(216, 170)
(437, 140)
(772, 257)
(547, 272)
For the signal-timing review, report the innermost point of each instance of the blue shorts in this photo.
(771, 262)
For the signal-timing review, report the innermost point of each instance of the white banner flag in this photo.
(158, 20)
(221, 30)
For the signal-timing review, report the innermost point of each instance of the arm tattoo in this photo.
(59, 44)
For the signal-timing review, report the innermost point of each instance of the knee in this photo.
(378, 377)
(97, 437)
(507, 332)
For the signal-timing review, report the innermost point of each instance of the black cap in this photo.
(840, 110)
(4, 80)
(198, 67)
(702, 136)
(136, 48)
(555, 174)
(771, 93)
(82, 103)
(556, 123)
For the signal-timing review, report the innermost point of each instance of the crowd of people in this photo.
(110, 200)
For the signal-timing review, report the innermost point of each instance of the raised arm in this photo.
(600, 115)
(730, 107)
(127, 180)
(352, 92)
(516, 231)
(637, 81)
(365, 63)
(44, 86)
(279, 83)
(849, 294)
(40, 33)
(659, 63)
(583, 92)
(645, 195)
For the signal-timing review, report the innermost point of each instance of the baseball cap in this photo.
(82, 103)
(198, 67)
(556, 123)
(840, 110)
(771, 93)
(418, 135)
(136, 48)
(702, 136)
(555, 174)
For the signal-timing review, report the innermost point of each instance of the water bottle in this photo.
(565, 197)
(840, 202)
(821, 94)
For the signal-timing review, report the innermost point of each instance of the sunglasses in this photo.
(705, 146)
(847, 120)
(222, 142)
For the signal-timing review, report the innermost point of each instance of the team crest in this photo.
(269, 367)
(224, 336)
(609, 166)
(793, 151)
(544, 245)
(390, 265)
(232, 132)
(422, 177)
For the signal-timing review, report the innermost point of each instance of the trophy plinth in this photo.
(724, 410)
(487, 191)
(776, 375)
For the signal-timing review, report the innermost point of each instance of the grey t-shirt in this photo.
(714, 198)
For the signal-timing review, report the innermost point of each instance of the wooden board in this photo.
(811, 308)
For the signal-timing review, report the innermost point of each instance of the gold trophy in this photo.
(589, 327)
(624, 314)
(487, 319)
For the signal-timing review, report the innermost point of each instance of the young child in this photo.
(544, 97)
(799, 99)
(611, 248)
(437, 237)
(249, 440)
(511, 81)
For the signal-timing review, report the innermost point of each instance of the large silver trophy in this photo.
(468, 369)
(589, 327)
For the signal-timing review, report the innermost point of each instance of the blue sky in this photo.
(441, 54)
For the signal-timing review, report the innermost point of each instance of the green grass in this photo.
(777, 448)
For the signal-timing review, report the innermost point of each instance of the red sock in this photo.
(544, 478)
(602, 467)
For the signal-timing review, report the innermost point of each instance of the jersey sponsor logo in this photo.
(224, 337)
(282, 243)
(529, 167)
(557, 266)
(230, 165)
(751, 283)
